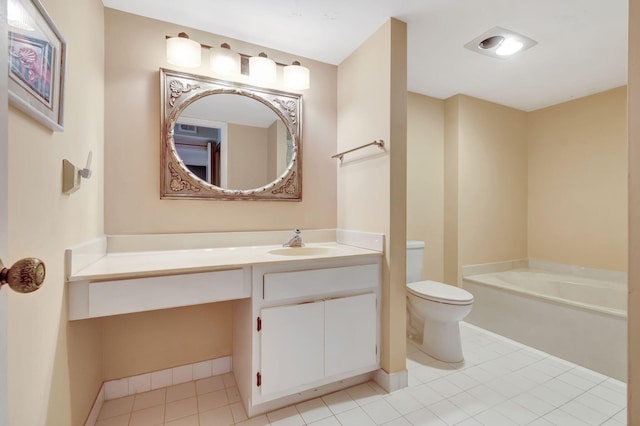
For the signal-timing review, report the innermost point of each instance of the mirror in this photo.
(228, 141)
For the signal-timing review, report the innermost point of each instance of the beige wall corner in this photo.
(45, 352)
(450, 197)
(633, 408)
(425, 180)
(372, 104)
(492, 182)
(485, 184)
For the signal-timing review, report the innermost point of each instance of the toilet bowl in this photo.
(439, 307)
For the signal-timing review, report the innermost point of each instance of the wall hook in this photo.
(72, 175)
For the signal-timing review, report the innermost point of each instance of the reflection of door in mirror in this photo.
(199, 144)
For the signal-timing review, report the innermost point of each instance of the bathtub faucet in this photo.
(295, 241)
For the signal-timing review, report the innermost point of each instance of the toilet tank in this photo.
(415, 254)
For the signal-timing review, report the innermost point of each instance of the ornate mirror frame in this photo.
(178, 90)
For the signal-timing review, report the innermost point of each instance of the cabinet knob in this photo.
(25, 276)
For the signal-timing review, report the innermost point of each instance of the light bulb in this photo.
(262, 70)
(225, 61)
(296, 76)
(183, 52)
(508, 47)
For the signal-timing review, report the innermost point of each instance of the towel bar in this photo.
(340, 155)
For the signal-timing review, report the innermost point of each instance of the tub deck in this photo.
(606, 296)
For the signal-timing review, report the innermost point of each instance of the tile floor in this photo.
(500, 383)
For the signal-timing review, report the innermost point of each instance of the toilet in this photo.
(439, 307)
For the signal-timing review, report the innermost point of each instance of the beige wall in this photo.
(578, 182)
(492, 182)
(54, 365)
(155, 340)
(247, 152)
(425, 180)
(372, 102)
(548, 184)
(634, 213)
(135, 50)
(450, 199)
(485, 184)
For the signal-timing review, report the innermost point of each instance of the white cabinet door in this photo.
(292, 340)
(350, 333)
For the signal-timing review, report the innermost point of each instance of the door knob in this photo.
(25, 276)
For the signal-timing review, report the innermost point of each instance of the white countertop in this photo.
(169, 262)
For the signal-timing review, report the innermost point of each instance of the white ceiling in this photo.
(581, 50)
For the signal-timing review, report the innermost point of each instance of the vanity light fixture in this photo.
(183, 52)
(262, 70)
(296, 76)
(500, 43)
(225, 61)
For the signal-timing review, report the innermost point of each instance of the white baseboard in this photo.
(307, 395)
(391, 382)
(157, 379)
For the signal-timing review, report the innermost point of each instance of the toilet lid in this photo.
(439, 292)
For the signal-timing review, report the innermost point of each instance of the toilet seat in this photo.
(441, 293)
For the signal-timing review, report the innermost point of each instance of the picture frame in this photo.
(37, 56)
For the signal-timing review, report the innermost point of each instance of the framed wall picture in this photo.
(37, 53)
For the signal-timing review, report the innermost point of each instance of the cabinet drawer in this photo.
(98, 299)
(291, 285)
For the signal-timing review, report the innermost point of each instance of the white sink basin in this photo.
(302, 251)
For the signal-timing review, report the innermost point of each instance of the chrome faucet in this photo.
(295, 241)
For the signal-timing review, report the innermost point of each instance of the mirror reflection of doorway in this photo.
(199, 145)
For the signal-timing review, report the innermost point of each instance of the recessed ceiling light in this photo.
(500, 43)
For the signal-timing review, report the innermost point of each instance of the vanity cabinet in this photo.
(307, 342)
(312, 324)
(306, 320)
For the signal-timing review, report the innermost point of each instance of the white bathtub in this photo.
(577, 318)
